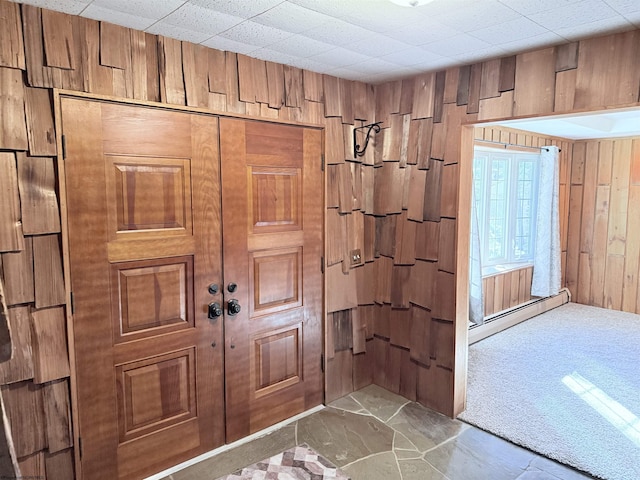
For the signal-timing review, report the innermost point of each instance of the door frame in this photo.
(58, 95)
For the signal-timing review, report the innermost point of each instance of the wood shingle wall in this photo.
(393, 317)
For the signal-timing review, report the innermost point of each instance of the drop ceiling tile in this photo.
(624, 6)
(607, 25)
(478, 15)
(292, 18)
(528, 8)
(292, 60)
(221, 43)
(377, 46)
(179, 33)
(200, 19)
(339, 57)
(244, 9)
(530, 43)
(381, 16)
(463, 43)
(129, 20)
(339, 32)
(333, 8)
(478, 56)
(412, 56)
(374, 66)
(509, 31)
(143, 8)
(585, 11)
(74, 7)
(255, 34)
(421, 32)
(301, 46)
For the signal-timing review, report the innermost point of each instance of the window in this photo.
(505, 190)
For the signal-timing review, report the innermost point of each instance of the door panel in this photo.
(272, 199)
(143, 207)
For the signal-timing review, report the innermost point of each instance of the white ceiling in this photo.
(605, 124)
(367, 40)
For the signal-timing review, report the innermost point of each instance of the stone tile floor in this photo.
(374, 434)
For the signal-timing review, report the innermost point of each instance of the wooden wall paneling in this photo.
(333, 185)
(355, 234)
(97, 78)
(332, 102)
(444, 308)
(39, 118)
(342, 331)
(432, 196)
(498, 293)
(598, 58)
(497, 107)
(11, 238)
(58, 40)
(400, 335)
(232, 84)
(172, 88)
(339, 376)
(346, 100)
(57, 415)
(336, 248)
(438, 105)
(619, 197)
(613, 282)
(449, 191)
(217, 66)
(464, 80)
(33, 466)
(420, 340)
(25, 412)
(605, 162)
(635, 162)
(599, 245)
(139, 70)
(11, 39)
(434, 388)
(451, 85)
(49, 341)
(383, 100)
(632, 254)
(347, 137)
(356, 186)
(514, 288)
(38, 200)
(582, 290)
(565, 90)
(427, 240)
(59, 465)
(313, 87)
(47, 263)
(442, 343)
(535, 82)
(293, 86)
(567, 56)
(406, 96)
(365, 281)
(367, 203)
(423, 279)
(20, 366)
(275, 85)
(384, 272)
(342, 291)
(475, 79)
(369, 252)
(363, 368)
(405, 242)
(507, 79)
(385, 242)
(419, 148)
(447, 245)
(18, 268)
(345, 192)
(404, 144)
(393, 139)
(490, 80)
(115, 46)
(195, 68)
(13, 129)
(578, 163)
(488, 288)
(334, 141)
(38, 75)
(573, 246)
(408, 376)
(417, 182)
(400, 291)
(381, 359)
(388, 188)
(590, 182)
(423, 95)
(358, 332)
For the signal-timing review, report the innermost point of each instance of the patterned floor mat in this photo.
(297, 463)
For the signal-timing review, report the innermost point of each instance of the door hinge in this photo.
(80, 447)
(73, 307)
(322, 264)
(322, 362)
(63, 141)
(322, 162)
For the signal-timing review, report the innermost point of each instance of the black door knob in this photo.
(213, 288)
(233, 307)
(215, 310)
(232, 287)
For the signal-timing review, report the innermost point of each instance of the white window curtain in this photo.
(546, 262)
(476, 301)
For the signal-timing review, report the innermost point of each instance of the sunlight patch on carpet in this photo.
(615, 413)
(297, 463)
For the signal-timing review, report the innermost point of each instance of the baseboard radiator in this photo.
(508, 318)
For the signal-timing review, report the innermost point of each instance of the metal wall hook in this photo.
(357, 151)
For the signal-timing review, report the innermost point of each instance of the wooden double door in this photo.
(194, 252)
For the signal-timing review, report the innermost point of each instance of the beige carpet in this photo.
(565, 384)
